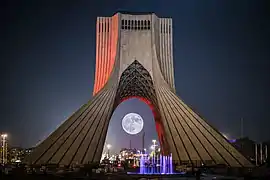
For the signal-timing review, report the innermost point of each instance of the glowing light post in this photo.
(4, 148)
(154, 144)
(153, 158)
(109, 147)
(154, 154)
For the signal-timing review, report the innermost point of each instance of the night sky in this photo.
(221, 58)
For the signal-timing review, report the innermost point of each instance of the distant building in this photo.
(246, 147)
(128, 153)
(17, 154)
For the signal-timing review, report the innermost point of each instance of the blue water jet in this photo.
(156, 164)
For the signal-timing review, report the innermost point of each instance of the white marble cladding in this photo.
(135, 44)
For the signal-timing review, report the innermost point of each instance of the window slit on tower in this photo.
(122, 24)
(135, 27)
(132, 24)
(128, 26)
(125, 24)
(145, 25)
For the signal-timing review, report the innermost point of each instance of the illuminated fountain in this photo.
(156, 165)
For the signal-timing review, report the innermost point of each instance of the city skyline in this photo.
(47, 86)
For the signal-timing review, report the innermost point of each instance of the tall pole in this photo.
(256, 154)
(6, 159)
(266, 152)
(143, 143)
(242, 128)
(4, 148)
(154, 146)
(108, 147)
(242, 133)
(261, 153)
(129, 144)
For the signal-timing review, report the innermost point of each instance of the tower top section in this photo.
(129, 36)
(134, 13)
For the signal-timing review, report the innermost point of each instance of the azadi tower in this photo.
(134, 58)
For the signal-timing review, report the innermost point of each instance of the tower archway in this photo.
(136, 82)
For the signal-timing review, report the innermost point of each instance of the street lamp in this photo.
(4, 148)
(109, 147)
(154, 145)
(3, 136)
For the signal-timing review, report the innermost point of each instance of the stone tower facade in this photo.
(134, 58)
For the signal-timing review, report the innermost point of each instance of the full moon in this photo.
(132, 123)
